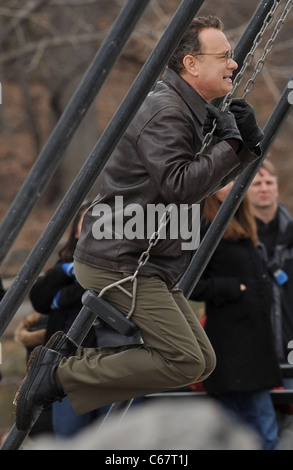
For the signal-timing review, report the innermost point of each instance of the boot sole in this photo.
(34, 365)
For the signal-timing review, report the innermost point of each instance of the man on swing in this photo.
(156, 162)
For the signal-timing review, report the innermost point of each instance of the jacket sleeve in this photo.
(246, 157)
(166, 145)
(218, 290)
(46, 287)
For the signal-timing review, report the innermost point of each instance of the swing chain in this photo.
(155, 237)
(268, 47)
(238, 79)
(144, 257)
(248, 59)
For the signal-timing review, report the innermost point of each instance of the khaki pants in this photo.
(175, 353)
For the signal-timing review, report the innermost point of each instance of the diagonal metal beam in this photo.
(87, 176)
(203, 254)
(15, 438)
(61, 136)
(105, 145)
(96, 161)
(71, 118)
(216, 230)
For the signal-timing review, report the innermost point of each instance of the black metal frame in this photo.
(71, 118)
(96, 161)
(100, 154)
(234, 198)
(98, 157)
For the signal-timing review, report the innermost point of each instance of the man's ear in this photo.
(190, 64)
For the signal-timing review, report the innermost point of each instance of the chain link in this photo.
(155, 237)
(268, 47)
(144, 257)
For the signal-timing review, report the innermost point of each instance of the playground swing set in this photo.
(94, 306)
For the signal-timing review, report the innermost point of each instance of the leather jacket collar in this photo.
(192, 98)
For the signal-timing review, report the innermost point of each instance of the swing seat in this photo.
(109, 314)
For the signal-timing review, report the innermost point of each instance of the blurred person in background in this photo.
(57, 294)
(275, 230)
(2, 293)
(236, 292)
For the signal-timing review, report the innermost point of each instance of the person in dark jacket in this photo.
(57, 294)
(236, 290)
(157, 163)
(275, 230)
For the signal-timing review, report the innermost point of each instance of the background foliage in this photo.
(46, 47)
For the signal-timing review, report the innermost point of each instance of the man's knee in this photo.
(190, 369)
(198, 367)
(211, 362)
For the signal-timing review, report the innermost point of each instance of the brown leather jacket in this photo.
(155, 163)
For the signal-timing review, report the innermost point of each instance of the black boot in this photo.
(39, 387)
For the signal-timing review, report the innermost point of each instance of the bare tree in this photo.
(50, 43)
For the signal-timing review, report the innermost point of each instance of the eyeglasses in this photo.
(227, 55)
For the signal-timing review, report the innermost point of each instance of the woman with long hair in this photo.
(237, 297)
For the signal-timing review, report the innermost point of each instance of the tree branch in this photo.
(46, 43)
(33, 6)
(73, 3)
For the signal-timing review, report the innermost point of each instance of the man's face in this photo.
(214, 74)
(263, 192)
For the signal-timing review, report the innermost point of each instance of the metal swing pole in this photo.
(96, 161)
(234, 198)
(229, 207)
(86, 179)
(71, 118)
(92, 168)
(244, 44)
(242, 48)
(212, 239)
(203, 254)
(15, 437)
